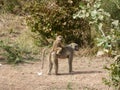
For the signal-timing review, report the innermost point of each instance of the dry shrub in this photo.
(87, 51)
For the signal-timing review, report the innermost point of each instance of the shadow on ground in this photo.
(80, 72)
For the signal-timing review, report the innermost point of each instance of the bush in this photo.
(113, 7)
(11, 53)
(27, 44)
(107, 29)
(52, 17)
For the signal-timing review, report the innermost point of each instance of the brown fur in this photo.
(57, 45)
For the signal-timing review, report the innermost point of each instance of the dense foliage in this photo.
(53, 17)
(107, 29)
(113, 7)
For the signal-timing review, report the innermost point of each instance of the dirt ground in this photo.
(87, 75)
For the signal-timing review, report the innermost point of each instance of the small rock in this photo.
(39, 73)
(100, 53)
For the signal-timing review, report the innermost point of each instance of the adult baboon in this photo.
(67, 52)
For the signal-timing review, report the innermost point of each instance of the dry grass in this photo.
(87, 51)
(14, 31)
(11, 25)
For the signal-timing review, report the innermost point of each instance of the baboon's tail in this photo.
(42, 62)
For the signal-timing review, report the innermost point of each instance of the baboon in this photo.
(57, 45)
(67, 52)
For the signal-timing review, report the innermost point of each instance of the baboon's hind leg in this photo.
(56, 66)
(50, 67)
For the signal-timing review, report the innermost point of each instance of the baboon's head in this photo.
(59, 38)
(74, 46)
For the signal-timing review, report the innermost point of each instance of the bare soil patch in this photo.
(87, 75)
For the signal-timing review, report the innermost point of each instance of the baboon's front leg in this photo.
(70, 59)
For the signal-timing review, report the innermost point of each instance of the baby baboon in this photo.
(56, 48)
(67, 52)
(57, 45)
